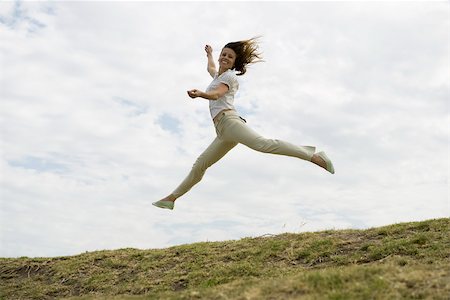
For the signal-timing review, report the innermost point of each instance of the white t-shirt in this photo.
(226, 101)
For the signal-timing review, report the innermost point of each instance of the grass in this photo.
(401, 261)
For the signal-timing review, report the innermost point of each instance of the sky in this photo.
(96, 124)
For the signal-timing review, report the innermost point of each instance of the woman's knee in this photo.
(200, 165)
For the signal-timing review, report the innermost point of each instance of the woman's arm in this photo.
(215, 94)
(211, 65)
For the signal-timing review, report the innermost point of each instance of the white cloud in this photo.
(96, 123)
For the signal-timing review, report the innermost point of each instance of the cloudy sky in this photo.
(96, 123)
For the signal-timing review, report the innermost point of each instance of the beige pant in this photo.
(231, 130)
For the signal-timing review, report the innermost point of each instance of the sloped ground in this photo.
(401, 261)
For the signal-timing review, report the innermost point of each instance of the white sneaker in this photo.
(164, 204)
(329, 167)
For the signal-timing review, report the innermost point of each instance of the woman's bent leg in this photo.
(210, 156)
(237, 131)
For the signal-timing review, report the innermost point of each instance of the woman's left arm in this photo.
(215, 94)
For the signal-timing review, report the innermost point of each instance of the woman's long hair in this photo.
(246, 53)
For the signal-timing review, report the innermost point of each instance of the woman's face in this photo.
(227, 58)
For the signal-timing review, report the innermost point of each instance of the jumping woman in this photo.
(230, 128)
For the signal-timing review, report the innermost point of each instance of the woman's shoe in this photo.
(164, 204)
(329, 167)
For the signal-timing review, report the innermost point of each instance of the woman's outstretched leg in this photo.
(210, 156)
(234, 129)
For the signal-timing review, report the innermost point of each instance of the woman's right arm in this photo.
(215, 94)
(211, 65)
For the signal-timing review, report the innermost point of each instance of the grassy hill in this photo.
(401, 261)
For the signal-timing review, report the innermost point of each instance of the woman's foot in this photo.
(323, 161)
(167, 202)
(316, 159)
(169, 198)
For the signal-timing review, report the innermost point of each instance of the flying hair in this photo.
(247, 52)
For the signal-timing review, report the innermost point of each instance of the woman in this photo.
(230, 128)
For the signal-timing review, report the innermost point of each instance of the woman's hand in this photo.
(194, 93)
(208, 50)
